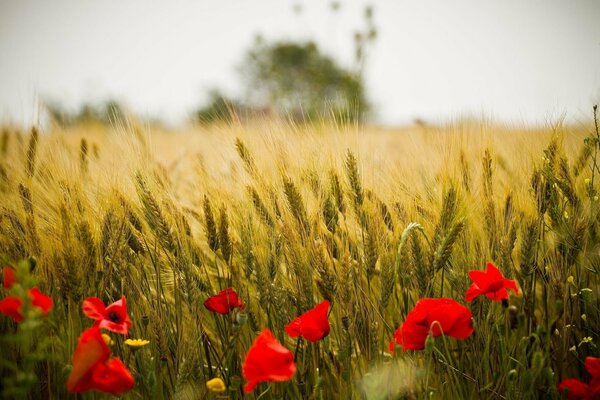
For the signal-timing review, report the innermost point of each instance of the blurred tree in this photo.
(110, 112)
(298, 81)
(219, 108)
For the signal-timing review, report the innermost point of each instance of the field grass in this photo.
(372, 219)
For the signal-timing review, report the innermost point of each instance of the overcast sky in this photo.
(513, 60)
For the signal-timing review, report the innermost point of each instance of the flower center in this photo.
(113, 316)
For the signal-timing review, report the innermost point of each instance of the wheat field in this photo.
(371, 219)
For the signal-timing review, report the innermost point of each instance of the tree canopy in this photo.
(299, 81)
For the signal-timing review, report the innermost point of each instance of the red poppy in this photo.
(578, 390)
(92, 368)
(224, 302)
(440, 316)
(114, 317)
(9, 277)
(267, 360)
(313, 325)
(574, 388)
(13, 305)
(490, 283)
(592, 364)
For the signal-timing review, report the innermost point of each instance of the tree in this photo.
(298, 81)
(219, 108)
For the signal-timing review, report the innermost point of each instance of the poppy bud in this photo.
(145, 320)
(537, 361)
(32, 261)
(346, 322)
(513, 313)
(241, 318)
(429, 343)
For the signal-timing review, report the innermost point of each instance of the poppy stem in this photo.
(264, 393)
(297, 349)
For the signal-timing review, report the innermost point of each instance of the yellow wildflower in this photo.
(107, 339)
(571, 280)
(216, 385)
(136, 343)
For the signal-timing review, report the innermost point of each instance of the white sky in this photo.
(513, 60)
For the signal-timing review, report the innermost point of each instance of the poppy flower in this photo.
(114, 317)
(93, 370)
(490, 283)
(223, 302)
(267, 360)
(440, 316)
(12, 306)
(576, 389)
(313, 325)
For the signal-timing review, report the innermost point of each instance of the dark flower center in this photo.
(113, 316)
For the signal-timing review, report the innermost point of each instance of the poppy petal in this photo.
(440, 316)
(574, 388)
(313, 325)
(492, 272)
(294, 328)
(113, 377)
(11, 306)
(9, 277)
(94, 308)
(490, 283)
(116, 327)
(473, 292)
(498, 295)
(477, 276)
(216, 305)
(40, 300)
(267, 360)
(91, 350)
(511, 284)
(592, 365)
(223, 302)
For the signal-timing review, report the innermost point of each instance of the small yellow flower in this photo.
(216, 385)
(107, 339)
(566, 215)
(571, 280)
(573, 348)
(584, 317)
(595, 198)
(587, 181)
(136, 343)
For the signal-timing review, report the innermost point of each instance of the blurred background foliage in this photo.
(293, 80)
